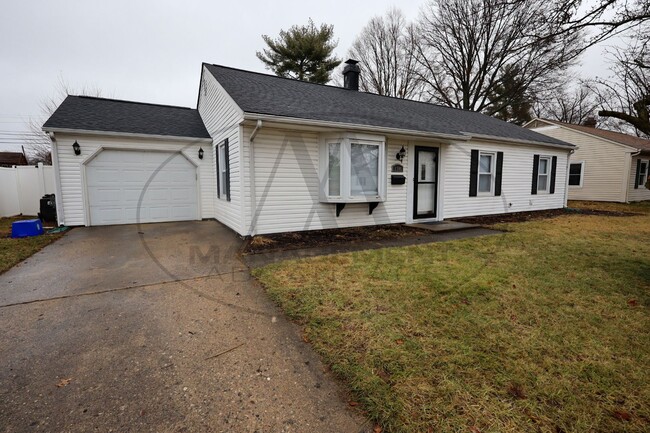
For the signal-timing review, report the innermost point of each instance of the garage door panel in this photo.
(107, 196)
(116, 181)
(181, 212)
(157, 194)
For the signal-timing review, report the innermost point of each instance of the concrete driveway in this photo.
(158, 328)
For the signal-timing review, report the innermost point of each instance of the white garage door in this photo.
(126, 187)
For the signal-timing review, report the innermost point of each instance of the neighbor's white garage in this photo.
(130, 186)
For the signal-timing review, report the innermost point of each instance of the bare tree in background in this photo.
(604, 18)
(38, 143)
(468, 50)
(385, 48)
(569, 106)
(625, 96)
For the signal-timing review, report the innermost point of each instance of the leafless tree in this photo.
(604, 18)
(468, 49)
(624, 96)
(385, 48)
(38, 144)
(569, 106)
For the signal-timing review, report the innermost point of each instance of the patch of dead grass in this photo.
(543, 328)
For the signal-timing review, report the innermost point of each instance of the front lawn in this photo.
(543, 328)
(14, 251)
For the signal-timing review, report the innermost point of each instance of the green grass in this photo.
(543, 328)
(14, 251)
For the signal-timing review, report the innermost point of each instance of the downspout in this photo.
(566, 178)
(251, 175)
(628, 171)
(58, 199)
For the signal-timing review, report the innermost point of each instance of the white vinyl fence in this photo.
(21, 188)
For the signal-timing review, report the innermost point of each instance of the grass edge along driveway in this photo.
(14, 251)
(544, 328)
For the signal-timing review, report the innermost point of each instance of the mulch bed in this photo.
(516, 217)
(319, 238)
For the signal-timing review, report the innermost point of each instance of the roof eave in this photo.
(125, 134)
(349, 126)
(396, 131)
(566, 146)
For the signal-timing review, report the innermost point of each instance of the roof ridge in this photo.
(131, 102)
(344, 89)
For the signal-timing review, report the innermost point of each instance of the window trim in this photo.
(548, 174)
(345, 163)
(582, 174)
(222, 167)
(492, 173)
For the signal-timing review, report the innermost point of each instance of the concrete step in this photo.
(444, 226)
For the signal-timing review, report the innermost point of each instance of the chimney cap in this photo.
(351, 62)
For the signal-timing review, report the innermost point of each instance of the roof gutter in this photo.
(350, 126)
(126, 134)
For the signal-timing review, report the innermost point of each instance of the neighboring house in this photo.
(9, 159)
(264, 154)
(606, 165)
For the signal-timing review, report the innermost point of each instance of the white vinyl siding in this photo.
(287, 186)
(640, 193)
(70, 169)
(222, 117)
(605, 164)
(517, 178)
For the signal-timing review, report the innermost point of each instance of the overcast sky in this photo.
(152, 51)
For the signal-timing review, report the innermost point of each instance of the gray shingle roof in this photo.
(268, 94)
(111, 115)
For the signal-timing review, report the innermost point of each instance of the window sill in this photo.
(374, 199)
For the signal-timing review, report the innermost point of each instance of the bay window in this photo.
(352, 169)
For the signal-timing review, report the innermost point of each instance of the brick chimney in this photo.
(590, 122)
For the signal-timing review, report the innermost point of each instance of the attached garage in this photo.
(130, 186)
(119, 162)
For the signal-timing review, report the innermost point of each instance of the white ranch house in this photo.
(263, 154)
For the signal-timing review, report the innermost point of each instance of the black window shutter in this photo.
(535, 173)
(216, 151)
(227, 162)
(553, 172)
(499, 174)
(473, 174)
(638, 173)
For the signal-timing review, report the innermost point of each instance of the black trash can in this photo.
(48, 208)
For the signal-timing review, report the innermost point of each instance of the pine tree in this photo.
(302, 52)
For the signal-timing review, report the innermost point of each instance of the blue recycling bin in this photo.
(25, 228)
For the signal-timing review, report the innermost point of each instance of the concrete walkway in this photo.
(155, 328)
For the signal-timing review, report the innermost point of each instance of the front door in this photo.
(425, 191)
